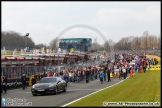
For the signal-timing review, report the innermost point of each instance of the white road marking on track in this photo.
(92, 93)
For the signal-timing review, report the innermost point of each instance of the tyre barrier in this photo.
(158, 59)
(155, 67)
(15, 83)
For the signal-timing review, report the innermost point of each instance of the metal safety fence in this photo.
(17, 71)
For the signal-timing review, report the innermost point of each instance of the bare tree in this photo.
(12, 40)
(155, 44)
(138, 43)
(159, 42)
(129, 40)
(144, 40)
(126, 43)
(134, 43)
(53, 44)
(95, 45)
(109, 45)
(101, 48)
(41, 45)
(149, 41)
(143, 44)
(117, 46)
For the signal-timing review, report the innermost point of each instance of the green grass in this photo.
(142, 87)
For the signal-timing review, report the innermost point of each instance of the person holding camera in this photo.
(4, 84)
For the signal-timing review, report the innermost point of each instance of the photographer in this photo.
(4, 84)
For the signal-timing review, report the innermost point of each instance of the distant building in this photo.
(79, 44)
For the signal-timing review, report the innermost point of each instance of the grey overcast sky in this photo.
(45, 20)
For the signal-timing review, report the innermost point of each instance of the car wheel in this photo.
(65, 88)
(56, 90)
(34, 94)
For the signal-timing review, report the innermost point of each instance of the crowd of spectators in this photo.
(122, 65)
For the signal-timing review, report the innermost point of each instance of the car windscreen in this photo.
(48, 80)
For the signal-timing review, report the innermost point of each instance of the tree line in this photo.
(12, 40)
(145, 42)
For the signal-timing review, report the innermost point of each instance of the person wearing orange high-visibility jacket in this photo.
(141, 68)
(131, 72)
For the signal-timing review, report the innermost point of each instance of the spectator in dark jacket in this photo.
(5, 81)
(33, 81)
(23, 80)
(87, 75)
(108, 74)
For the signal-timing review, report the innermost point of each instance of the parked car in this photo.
(49, 85)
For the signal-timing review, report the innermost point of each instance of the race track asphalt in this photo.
(74, 91)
